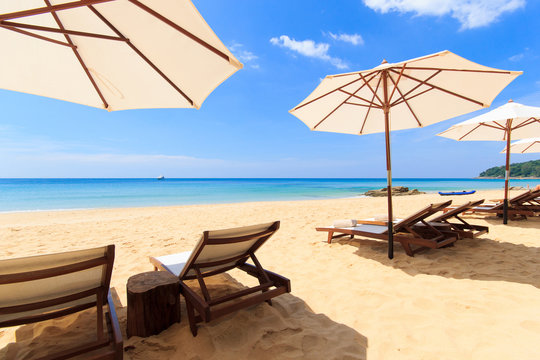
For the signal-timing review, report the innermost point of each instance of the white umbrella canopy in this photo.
(509, 121)
(407, 94)
(430, 89)
(525, 146)
(112, 54)
(518, 120)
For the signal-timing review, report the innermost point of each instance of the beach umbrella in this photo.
(525, 146)
(407, 94)
(512, 120)
(112, 54)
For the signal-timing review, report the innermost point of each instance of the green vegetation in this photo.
(524, 169)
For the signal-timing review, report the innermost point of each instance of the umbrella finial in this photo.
(384, 61)
(510, 101)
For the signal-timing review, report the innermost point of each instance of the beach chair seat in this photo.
(462, 227)
(215, 253)
(413, 230)
(49, 286)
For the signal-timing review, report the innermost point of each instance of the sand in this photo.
(477, 300)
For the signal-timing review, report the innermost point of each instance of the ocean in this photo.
(63, 194)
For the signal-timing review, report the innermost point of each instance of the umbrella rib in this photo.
(332, 91)
(28, 33)
(364, 105)
(369, 109)
(397, 82)
(476, 127)
(441, 89)
(61, 31)
(134, 48)
(401, 100)
(529, 121)
(357, 97)
(77, 55)
(50, 8)
(528, 147)
(498, 127)
(370, 88)
(181, 29)
(337, 107)
(422, 83)
(405, 100)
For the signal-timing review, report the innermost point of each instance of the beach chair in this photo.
(519, 206)
(215, 253)
(44, 287)
(407, 231)
(463, 228)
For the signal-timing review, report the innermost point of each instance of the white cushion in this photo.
(173, 263)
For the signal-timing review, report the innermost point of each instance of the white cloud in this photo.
(516, 57)
(470, 13)
(245, 56)
(309, 48)
(355, 39)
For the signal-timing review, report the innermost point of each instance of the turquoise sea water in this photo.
(56, 194)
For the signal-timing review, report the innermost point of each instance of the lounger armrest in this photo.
(118, 343)
(276, 278)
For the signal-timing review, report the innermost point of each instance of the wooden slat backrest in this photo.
(421, 215)
(222, 249)
(32, 286)
(525, 197)
(456, 211)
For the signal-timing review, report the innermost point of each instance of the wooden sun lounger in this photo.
(519, 206)
(44, 287)
(407, 231)
(215, 253)
(463, 228)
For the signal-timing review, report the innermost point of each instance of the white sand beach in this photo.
(476, 300)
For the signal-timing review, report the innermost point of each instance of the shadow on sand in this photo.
(487, 258)
(288, 329)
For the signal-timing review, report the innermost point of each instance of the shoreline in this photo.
(226, 203)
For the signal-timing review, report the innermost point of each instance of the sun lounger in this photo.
(215, 253)
(44, 287)
(463, 228)
(407, 231)
(519, 206)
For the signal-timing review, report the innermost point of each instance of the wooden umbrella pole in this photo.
(507, 172)
(386, 109)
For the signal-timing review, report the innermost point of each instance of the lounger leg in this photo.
(330, 236)
(191, 317)
(407, 248)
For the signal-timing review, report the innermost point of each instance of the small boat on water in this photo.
(464, 192)
(161, 177)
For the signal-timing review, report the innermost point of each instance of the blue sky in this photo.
(244, 129)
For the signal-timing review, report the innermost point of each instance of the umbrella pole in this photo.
(507, 171)
(389, 189)
(386, 109)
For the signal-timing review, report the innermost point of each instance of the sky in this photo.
(243, 129)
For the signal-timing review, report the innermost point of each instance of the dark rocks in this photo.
(396, 191)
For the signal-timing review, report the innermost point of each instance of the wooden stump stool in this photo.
(153, 300)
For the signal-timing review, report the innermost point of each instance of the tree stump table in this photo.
(153, 301)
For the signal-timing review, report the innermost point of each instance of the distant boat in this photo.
(161, 177)
(457, 192)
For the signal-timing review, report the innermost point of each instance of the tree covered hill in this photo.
(524, 169)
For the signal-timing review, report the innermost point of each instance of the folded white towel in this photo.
(344, 223)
